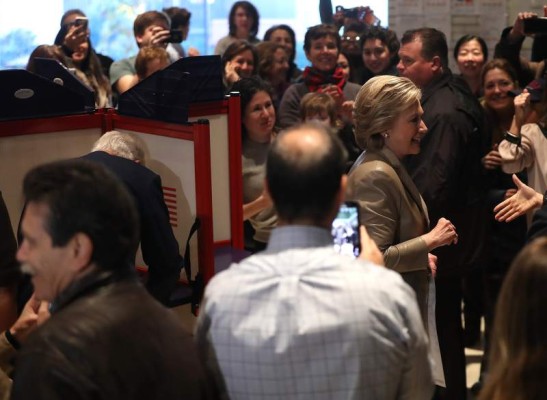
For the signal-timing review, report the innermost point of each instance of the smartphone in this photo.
(345, 230)
(81, 21)
(535, 25)
(175, 36)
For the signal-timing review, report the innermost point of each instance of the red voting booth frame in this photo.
(198, 133)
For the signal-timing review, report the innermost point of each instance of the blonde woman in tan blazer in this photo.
(388, 125)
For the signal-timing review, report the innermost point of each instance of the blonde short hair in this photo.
(378, 104)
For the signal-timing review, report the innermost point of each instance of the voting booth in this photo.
(199, 161)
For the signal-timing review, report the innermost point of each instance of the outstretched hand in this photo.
(524, 200)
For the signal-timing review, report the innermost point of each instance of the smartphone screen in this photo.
(345, 230)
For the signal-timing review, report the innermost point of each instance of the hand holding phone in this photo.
(81, 22)
(345, 230)
(535, 25)
(76, 33)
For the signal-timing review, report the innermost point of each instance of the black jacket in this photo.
(9, 267)
(538, 228)
(448, 170)
(160, 249)
(108, 339)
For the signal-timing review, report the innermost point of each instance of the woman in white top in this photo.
(525, 144)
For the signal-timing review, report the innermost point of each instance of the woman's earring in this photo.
(386, 135)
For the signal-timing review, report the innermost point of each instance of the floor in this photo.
(472, 355)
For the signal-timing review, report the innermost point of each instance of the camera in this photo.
(175, 36)
(81, 22)
(355, 12)
(535, 25)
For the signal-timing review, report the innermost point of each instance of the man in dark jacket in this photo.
(106, 337)
(123, 154)
(448, 174)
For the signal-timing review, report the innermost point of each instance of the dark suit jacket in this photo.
(160, 249)
(448, 170)
(395, 216)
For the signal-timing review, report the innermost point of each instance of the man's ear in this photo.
(82, 250)
(139, 39)
(436, 64)
(341, 195)
(307, 55)
(338, 200)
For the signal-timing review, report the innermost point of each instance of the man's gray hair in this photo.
(121, 144)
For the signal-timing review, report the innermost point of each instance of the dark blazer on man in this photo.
(538, 228)
(160, 249)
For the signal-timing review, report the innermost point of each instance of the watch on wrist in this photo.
(512, 138)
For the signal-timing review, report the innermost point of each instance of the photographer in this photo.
(78, 55)
(510, 45)
(150, 29)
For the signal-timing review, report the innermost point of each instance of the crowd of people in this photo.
(450, 175)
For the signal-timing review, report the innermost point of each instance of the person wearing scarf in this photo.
(322, 45)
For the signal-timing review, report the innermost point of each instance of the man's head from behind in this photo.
(305, 175)
(423, 55)
(122, 144)
(78, 217)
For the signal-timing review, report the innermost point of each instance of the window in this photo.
(25, 24)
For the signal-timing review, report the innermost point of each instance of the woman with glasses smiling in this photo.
(351, 47)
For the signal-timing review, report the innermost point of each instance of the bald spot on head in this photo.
(304, 145)
(304, 172)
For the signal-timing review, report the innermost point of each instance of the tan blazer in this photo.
(395, 216)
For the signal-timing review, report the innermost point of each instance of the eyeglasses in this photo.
(351, 39)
